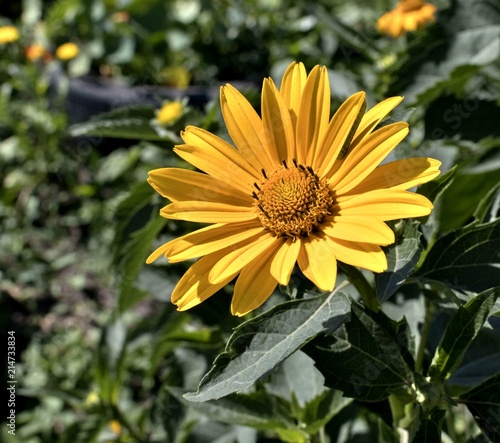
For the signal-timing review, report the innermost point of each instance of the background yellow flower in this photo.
(67, 51)
(407, 16)
(35, 52)
(8, 34)
(169, 112)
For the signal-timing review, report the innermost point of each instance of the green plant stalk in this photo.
(366, 291)
(117, 415)
(426, 329)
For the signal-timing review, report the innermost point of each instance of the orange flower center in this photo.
(293, 201)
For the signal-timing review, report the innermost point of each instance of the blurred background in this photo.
(93, 94)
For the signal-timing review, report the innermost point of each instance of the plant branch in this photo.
(366, 291)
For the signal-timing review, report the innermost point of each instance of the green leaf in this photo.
(296, 378)
(467, 53)
(138, 226)
(429, 430)
(117, 164)
(367, 358)
(320, 410)
(131, 122)
(110, 357)
(397, 116)
(128, 211)
(259, 410)
(460, 201)
(259, 345)
(477, 47)
(177, 329)
(466, 259)
(135, 253)
(299, 383)
(386, 433)
(461, 330)
(473, 373)
(402, 256)
(489, 207)
(483, 402)
(433, 189)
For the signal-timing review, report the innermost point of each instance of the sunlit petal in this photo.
(367, 156)
(210, 239)
(245, 128)
(284, 260)
(278, 128)
(337, 133)
(194, 287)
(318, 262)
(358, 229)
(208, 212)
(314, 113)
(385, 204)
(400, 174)
(362, 255)
(254, 285)
(182, 184)
(241, 256)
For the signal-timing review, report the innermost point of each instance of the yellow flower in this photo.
(408, 15)
(169, 112)
(35, 52)
(67, 51)
(115, 427)
(299, 188)
(8, 34)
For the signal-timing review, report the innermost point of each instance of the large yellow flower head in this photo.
(407, 16)
(300, 188)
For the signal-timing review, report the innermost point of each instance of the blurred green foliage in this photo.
(101, 353)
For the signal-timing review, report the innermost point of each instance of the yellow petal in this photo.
(242, 255)
(157, 253)
(182, 184)
(254, 285)
(245, 127)
(385, 204)
(362, 255)
(292, 85)
(367, 156)
(194, 287)
(359, 229)
(210, 239)
(218, 158)
(373, 117)
(278, 128)
(318, 262)
(284, 260)
(208, 212)
(314, 112)
(336, 134)
(400, 174)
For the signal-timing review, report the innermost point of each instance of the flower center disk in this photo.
(293, 201)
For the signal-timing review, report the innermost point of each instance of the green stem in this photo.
(367, 293)
(426, 329)
(322, 435)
